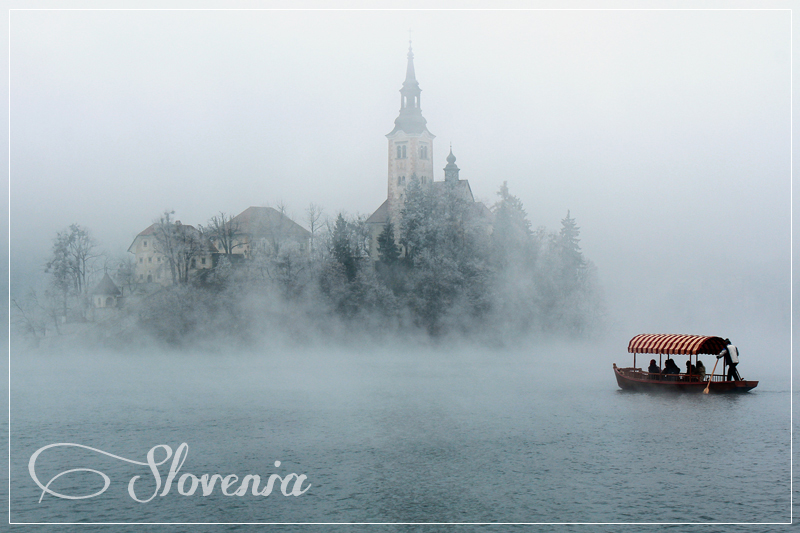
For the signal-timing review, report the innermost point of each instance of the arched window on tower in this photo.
(399, 153)
(404, 152)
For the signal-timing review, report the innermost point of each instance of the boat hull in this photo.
(632, 379)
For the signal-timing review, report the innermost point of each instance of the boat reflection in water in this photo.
(728, 380)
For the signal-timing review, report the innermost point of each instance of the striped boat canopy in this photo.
(676, 344)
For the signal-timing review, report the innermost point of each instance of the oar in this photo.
(705, 391)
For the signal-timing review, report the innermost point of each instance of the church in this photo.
(411, 156)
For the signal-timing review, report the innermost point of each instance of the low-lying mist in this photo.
(451, 269)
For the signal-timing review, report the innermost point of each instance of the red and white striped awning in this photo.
(676, 344)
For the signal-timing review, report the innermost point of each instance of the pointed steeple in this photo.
(451, 170)
(410, 119)
(411, 78)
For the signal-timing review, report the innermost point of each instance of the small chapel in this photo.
(411, 156)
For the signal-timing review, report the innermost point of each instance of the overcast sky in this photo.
(665, 133)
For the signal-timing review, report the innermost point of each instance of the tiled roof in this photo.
(106, 286)
(151, 231)
(266, 222)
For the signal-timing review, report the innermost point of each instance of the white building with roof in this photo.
(152, 265)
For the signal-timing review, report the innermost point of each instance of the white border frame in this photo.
(791, 279)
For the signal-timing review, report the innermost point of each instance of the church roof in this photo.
(461, 185)
(381, 215)
(107, 287)
(482, 211)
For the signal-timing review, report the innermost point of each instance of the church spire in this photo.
(411, 78)
(410, 151)
(451, 170)
(410, 119)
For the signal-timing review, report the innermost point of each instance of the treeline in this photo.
(455, 268)
(447, 266)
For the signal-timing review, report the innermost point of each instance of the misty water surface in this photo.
(407, 434)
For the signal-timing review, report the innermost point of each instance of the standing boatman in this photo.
(731, 355)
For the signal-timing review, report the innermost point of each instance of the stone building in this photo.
(151, 263)
(254, 230)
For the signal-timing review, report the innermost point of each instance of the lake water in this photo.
(419, 434)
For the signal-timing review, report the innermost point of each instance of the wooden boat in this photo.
(636, 379)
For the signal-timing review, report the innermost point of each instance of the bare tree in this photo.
(313, 216)
(30, 317)
(363, 235)
(126, 272)
(166, 242)
(222, 229)
(278, 229)
(74, 251)
(179, 244)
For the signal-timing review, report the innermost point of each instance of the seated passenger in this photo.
(653, 369)
(671, 369)
(691, 371)
(701, 370)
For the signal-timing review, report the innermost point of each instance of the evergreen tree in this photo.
(342, 249)
(567, 311)
(516, 283)
(446, 251)
(388, 251)
(415, 227)
(511, 236)
(568, 241)
(509, 213)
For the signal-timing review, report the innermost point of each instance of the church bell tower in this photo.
(410, 144)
